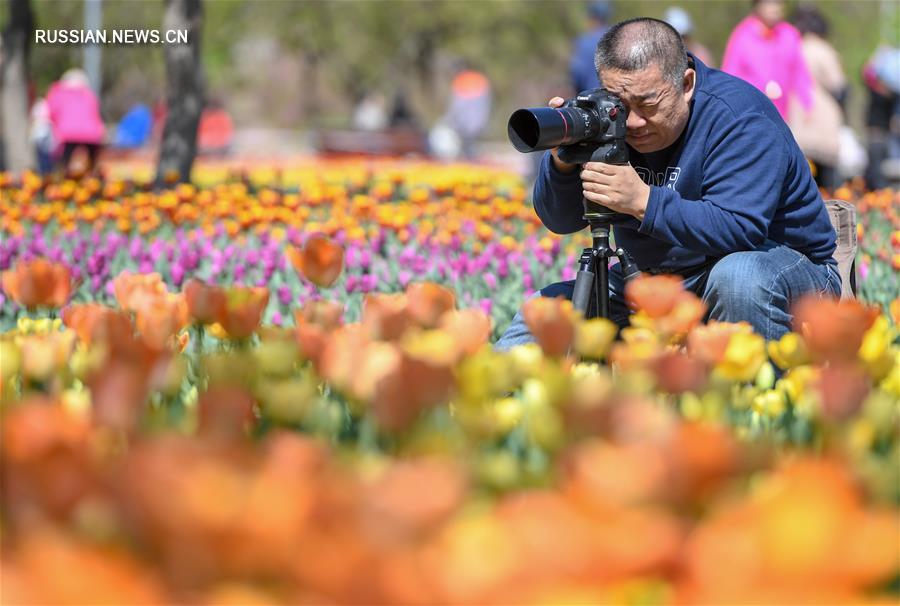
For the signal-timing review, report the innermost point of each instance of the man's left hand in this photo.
(617, 187)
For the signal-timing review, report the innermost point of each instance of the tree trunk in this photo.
(184, 95)
(18, 154)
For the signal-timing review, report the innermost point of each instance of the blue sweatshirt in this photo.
(733, 180)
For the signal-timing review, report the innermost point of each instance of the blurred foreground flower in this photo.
(243, 309)
(552, 322)
(206, 302)
(38, 283)
(663, 304)
(833, 330)
(320, 260)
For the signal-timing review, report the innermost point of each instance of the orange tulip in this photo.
(664, 305)
(428, 302)
(315, 322)
(38, 283)
(134, 290)
(470, 327)
(708, 343)
(53, 568)
(678, 373)
(326, 314)
(205, 301)
(159, 320)
(552, 322)
(225, 413)
(655, 295)
(842, 389)
(413, 496)
(387, 316)
(833, 330)
(320, 260)
(243, 310)
(93, 322)
(400, 386)
(343, 356)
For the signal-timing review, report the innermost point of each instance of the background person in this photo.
(679, 18)
(717, 191)
(469, 109)
(765, 51)
(42, 136)
(75, 115)
(818, 129)
(881, 75)
(582, 72)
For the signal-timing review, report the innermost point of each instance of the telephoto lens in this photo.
(540, 128)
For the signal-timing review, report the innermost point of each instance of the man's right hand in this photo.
(563, 167)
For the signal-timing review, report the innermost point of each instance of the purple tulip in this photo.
(177, 273)
(285, 296)
(486, 305)
(368, 282)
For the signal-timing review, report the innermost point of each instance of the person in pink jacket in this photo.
(767, 52)
(75, 117)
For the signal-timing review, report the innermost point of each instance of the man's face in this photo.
(658, 110)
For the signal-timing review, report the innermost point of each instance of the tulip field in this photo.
(277, 386)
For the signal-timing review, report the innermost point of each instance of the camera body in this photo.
(603, 116)
(590, 127)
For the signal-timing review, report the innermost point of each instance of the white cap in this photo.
(679, 19)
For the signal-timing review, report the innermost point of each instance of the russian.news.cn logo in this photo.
(113, 36)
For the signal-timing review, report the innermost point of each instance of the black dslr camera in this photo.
(592, 122)
(588, 128)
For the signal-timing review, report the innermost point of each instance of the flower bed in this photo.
(164, 440)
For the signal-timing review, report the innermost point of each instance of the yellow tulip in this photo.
(745, 354)
(875, 352)
(593, 338)
(789, 351)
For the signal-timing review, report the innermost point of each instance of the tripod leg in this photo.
(603, 287)
(581, 296)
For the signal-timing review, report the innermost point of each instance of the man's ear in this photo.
(688, 84)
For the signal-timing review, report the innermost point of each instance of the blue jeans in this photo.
(759, 287)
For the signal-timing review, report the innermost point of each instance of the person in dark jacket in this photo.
(582, 73)
(717, 190)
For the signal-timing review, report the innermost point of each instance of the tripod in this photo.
(591, 294)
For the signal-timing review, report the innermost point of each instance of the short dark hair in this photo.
(637, 43)
(809, 20)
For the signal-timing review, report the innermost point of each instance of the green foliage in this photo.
(346, 49)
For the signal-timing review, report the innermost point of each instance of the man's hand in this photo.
(563, 167)
(616, 187)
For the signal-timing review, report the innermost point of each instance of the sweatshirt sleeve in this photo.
(743, 172)
(558, 199)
